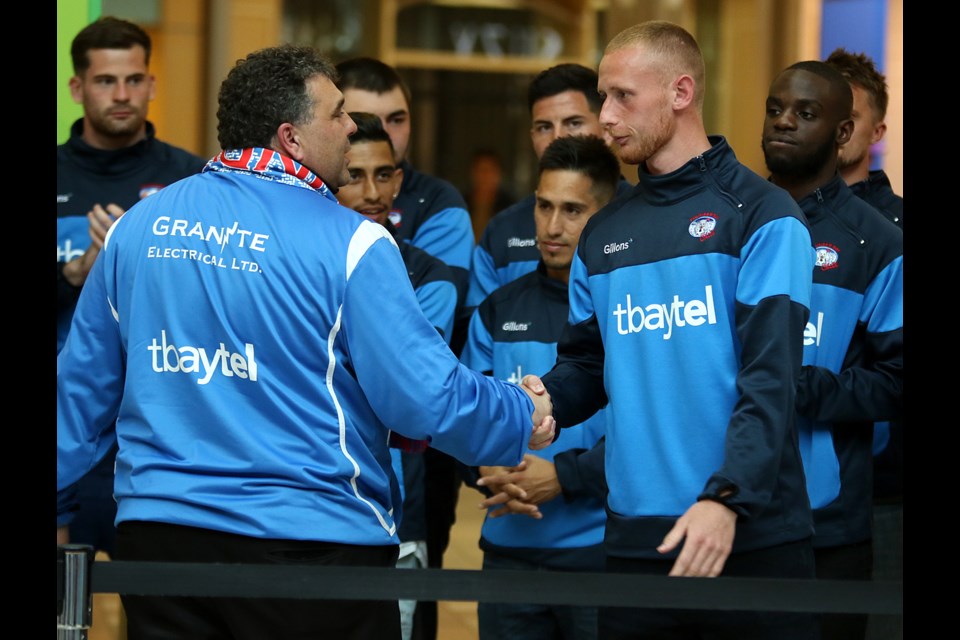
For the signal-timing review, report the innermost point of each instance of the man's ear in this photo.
(76, 89)
(683, 91)
(844, 131)
(879, 130)
(397, 182)
(287, 141)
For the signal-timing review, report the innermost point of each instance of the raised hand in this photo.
(101, 219)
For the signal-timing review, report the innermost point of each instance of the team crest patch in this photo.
(828, 256)
(702, 226)
(149, 190)
(396, 218)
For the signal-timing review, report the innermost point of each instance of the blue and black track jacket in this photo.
(688, 300)
(878, 193)
(514, 332)
(508, 248)
(436, 291)
(256, 342)
(431, 214)
(852, 355)
(87, 176)
(887, 435)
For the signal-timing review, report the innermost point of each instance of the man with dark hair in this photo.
(853, 344)
(513, 332)
(428, 212)
(688, 300)
(111, 161)
(431, 214)
(563, 101)
(374, 182)
(232, 329)
(870, 101)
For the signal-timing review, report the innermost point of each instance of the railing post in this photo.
(74, 597)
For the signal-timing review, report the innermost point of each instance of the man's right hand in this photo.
(544, 426)
(101, 219)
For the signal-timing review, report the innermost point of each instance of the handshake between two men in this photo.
(534, 481)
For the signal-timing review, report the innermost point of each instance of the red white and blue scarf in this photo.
(268, 164)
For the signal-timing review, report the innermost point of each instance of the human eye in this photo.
(384, 175)
(542, 128)
(355, 176)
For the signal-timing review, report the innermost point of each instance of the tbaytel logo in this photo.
(169, 358)
(516, 376)
(813, 332)
(657, 317)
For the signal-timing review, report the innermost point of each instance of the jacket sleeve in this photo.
(581, 472)
(772, 307)
(438, 301)
(869, 386)
(483, 273)
(575, 382)
(90, 375)
(478, 350)
(411, 379)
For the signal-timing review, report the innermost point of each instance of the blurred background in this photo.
(468, 62)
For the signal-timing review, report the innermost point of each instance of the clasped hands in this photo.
(521, 488)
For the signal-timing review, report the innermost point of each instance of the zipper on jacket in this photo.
(852, 231)
(729, 197)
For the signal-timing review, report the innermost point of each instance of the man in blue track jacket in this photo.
(515, 331)
(688, 300)
(374, 182)
(852, 370)
(233, 328)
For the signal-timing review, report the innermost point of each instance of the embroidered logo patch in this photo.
(396, 217)
(149, 190)
(828, 256)
(702, 226)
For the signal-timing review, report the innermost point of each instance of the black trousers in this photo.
(846, 562)
(792, 560)
(195, 618)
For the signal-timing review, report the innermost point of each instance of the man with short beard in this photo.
(111, 161)
(688, 299)
(853, 344)
(870, 100)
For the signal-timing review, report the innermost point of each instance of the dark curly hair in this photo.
(265, 90)
(106, 33)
